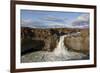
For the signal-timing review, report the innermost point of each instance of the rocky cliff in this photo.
(47, 39)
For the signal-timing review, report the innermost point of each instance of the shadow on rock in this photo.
(29, 46)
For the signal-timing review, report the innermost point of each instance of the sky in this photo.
(54, 19)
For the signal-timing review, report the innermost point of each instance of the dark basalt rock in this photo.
(29, 45)
(38, 39)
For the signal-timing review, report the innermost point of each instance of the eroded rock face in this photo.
(38, 39)
(47, 39)
(29, 45)
(79, 42)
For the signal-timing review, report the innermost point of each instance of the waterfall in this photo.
(60, 49)
(60, 53)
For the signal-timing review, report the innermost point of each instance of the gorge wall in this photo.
(47, 39)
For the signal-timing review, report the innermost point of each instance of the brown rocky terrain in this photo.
(79, 43)
(47, 39)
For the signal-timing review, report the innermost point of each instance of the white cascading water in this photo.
(60, 49)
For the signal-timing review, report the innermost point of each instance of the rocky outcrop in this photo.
(38, 39)
(79, 43)
(47, 39)
(29, 45)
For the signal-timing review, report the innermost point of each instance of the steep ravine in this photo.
(53, 47)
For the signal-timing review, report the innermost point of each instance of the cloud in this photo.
(83, 17)
(32, 23)
(81, 21)
(46, 22)
(53, 19)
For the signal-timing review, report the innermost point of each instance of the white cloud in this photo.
(83, 17)
(81, 21)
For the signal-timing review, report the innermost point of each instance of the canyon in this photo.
(54, 44)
